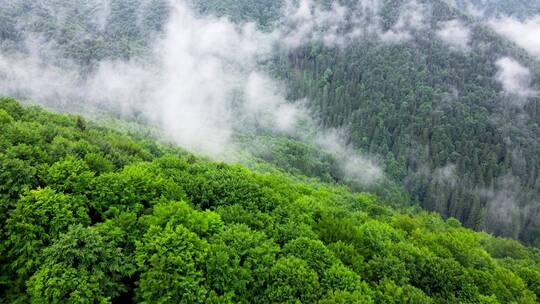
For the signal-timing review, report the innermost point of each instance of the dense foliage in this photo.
(90, 215)
(83, 31)
(435, 115)
(438, 117)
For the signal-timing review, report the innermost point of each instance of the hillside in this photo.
(424, 93)
(438, 116)
(424, 89)
(91, 215)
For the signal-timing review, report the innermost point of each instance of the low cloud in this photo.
(514, 78)
(446, 175)
(268, 108)
(200, 83)
(413, 17)
(339, 25)
(185, 88)
(525, 33)
(455, 34)
(358, 169)
(307, 20)
(508, 207)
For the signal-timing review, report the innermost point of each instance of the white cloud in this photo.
(455, 34)
(338, 25)
(265, 103)
(505, 209)
(359, 169)
(526, 33)
(200, 83)
(514, 78)
(412, 18)
(307, 21)
(446, 175)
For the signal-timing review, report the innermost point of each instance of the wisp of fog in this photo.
(200, 82)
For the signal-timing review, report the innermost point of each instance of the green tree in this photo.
(80, 267)
(171, 261)
(293, 281)
(317, 256)
(39, 217)
(239, 262)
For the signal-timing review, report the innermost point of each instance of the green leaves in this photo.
(293, 281)
(39, 217)
(203, 223)
(171, 261)
(81, 267)
(317, 256)
(179, 229)
(135, 188)
(69, 176)
(375, 238)
(239, 262)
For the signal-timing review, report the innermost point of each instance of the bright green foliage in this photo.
(37, 221)
(340, 278)
(69, 176)
(16, 175)
(239, 263)
(98, 163)
(171, 260)
(94, 216)
(135, 188)
(388, 292)
(293, 281)
(318, 257)
(81, 267)
(217, 185)
(345, 297)
(386, 267)
(204, 223)
(5, 118)
(375, 238)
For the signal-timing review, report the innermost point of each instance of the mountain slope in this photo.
(92, 215)
(432, 107)
(424, 86)
(439, 117)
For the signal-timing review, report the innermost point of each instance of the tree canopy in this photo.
(102, 218)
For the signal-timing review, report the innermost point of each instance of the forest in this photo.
(100, 203)
(93, 215)
(434, 114)
(449, 138)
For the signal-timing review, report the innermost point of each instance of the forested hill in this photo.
(432, 106)
(424, 85)
(439, 117)
(90, 215)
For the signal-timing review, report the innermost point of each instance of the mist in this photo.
(524, 33)
(201, 80)
(515, 79)
(455, 34)
(357, 169)
(336, 25)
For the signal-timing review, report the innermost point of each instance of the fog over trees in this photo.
(298, 151)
